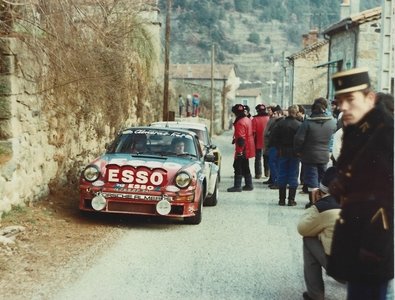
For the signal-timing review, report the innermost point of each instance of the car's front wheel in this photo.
(197, 218)
(213, 199)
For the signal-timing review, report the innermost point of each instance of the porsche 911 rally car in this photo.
(151, 171)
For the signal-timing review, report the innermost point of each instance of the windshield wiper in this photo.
(186, 154)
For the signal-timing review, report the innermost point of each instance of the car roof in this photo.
(180, 124)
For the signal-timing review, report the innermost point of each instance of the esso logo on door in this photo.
(141, 175)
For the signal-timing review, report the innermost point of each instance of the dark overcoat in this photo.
(363, 243)
(283, 136)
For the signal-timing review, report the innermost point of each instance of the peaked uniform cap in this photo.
(351, 80)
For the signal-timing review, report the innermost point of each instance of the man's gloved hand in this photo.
(240, 155)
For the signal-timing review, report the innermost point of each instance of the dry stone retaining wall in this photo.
(36, 152)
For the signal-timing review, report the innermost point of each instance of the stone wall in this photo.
(41, 150)
(368, 51)
(357, 47)
(310, 82)
(27, 158)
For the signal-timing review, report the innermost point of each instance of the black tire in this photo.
(213, 200)
(197, 218)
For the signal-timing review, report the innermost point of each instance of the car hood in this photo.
(170, 164)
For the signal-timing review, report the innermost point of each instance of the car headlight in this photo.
(183, 179)
(91, 173)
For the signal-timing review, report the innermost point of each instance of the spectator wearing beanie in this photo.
(259, 122)
(244, 149)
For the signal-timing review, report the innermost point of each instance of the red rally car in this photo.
(151, 171)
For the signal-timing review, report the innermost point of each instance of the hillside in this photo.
(252, 34)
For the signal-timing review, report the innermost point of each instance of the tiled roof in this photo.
(199, 71)
(354, 20)
(309, 49)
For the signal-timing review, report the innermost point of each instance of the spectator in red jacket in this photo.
(244, 149)
(259, 123)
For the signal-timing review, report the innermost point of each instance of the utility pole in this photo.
(271, 81)
(283, 104)
(271, 78)
(167, 65)
(212, 92)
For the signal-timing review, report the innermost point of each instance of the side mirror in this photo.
(209, 157)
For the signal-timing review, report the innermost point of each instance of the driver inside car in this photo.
(139, 144)
(178, 146)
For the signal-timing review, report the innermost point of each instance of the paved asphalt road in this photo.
(247, 247)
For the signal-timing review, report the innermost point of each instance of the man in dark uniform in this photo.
(363, 243)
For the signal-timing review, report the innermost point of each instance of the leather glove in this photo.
(240, 155)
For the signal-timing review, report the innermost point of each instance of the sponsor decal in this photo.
(157, 132)
(136, 188)
(119, 186)
(98, 183)
(137, 178)
(137, 197)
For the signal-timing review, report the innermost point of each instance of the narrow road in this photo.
(247, 247)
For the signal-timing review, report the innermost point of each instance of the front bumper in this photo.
(183, 205)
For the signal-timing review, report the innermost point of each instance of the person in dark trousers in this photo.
(272, 149)
(259, 123)
(301, 117)
(316, 226)
(244, 149)
(363, 241)
(266, 167)
(288, 162)
(312, 144)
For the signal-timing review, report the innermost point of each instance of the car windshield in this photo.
(154, 142)
(202, 135)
